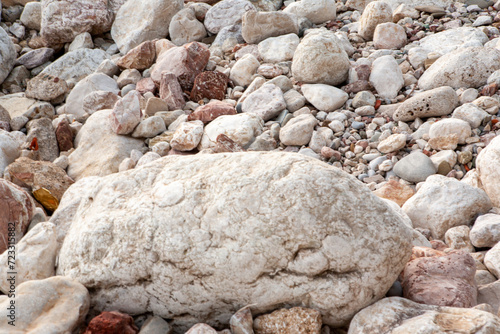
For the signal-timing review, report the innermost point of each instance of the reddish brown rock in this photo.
(171, 91)
(395, 192)
(226, 144)
(146, 85)
(209, 85)
(208, 112)
(64, 136)
(112, 323)
(363, 72)
(443, 279)
(357, 86)
(185, 62)
(141, 57)
(34, 175)
(297, 320)
(16, 211)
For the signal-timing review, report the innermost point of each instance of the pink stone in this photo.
(208, 112)
(171, 91)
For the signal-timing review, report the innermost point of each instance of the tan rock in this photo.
(257, 26)
(375, 13)
(141, 57)
(487, 163)
(389, 36)
(297, 320)
(187, 136)
(395, 191)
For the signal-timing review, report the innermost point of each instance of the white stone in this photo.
(185, 28)
(10, 149)
(31, 17)
(386, 77)
(126, 114)
(241, 128)
(393, 143)
(35, 256)
(483, 21)
(389, 36)
(147, 158)
(470, 113)
(266, 102)
(187, 136)
(458, 238)
(138, 21)
(468, 67)
(344, 41)
(7, 55)
(53, 305)
(452, 39)
(486, 231)
(488, 168)
(450, 126)
(99, 150)
(448, 156)
(320, 58)
(294, 100)
(81, 41)
(298, 131)
(400, 315)
(492, 260)
(444, 202)
(92, 83)
(488, 104)
(316, 11)
(243, 70)
(257, 26)
(375, 13)
(324, 97)
(226, 13)
(278, 49)
(227, 221)
(149, 127)
(321, 138)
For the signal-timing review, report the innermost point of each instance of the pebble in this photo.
(393, 143)
(324, 97)
(415, 167)
(298, 131)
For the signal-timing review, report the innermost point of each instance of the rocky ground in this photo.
(249, 166)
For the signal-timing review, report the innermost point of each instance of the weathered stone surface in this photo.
(399, 315)
(450, 40)
(226, 13)
(140, 58)
(185, 28)
(208, 112)
(7, 55)
(324, 97)
(415, 167)
(450, 126)
(171, 91)
(486, 231)
(209, 85)
(266, 102)
(334, 275)
(145, 85)
(35, 58)
(392, 143)
(487, 164)
(44, 132)
(389, 36)
(490, 294)
(126, 114)
(386, 77)
(257, 26)
(53, 305)
(435, 102)
(395, 191)
(468, 67)
(298, 131)
(320, 58)
(138, 21)
(243, 70)
(98, 149)
(470, 113)
(112, 322)
(9, 150)
(296, 320)
(442, 203)
(278, 49)
(316, 11)
(443, 279)
(98, 100)
(17, 208)
(46, 88)
(149, 127)
(184, 62)
(35, 256)
(375, 13)
(187, 136)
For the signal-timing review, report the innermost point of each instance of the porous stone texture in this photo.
(138, 21)
(320, 58)
(53, 305)
(442, 203)
(296, 320)
(399, 315)
(257, 26)
(352, 250)
(487, 163)
(98, 149)
(7, 55)
(316, 11)
(375, 13)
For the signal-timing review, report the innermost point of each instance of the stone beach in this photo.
(249, 166)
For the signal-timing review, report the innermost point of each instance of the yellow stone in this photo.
(48, 201)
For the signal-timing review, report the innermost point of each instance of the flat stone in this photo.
(278, 49)
(150, 127)
(208, 112)
(451, 126)
(324, 97)
(316, 11)
(35, 58)
(46, 88)
(393, 143)
(452, 39)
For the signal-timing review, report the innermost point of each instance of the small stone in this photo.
(298, 131)
(150, 127)
(257, 26)
(470, 113)
(492, 260)
(324, 97)
(267, 102)
(278, 49)
(386, 76)
(392, 144)
(98, 100)
(375, 13)
(140, 58)
(46, 88)
(31, 17)
(363, 98)
(389, 36)
(81, 41)
(208, 112)
(155, 325)
(296, 320)
(112, 322)
(415, 167)
(451, 126)
(43, 131)
(35, 58)
(242, 322)
(243, 70)
(185, 28)
(201, 329)
(316, 11)
(209, 85)
(171, 91)
(147, 158)
(64, 136)
(395, 191)
(126, 114)
(226, 13)
(187, 136)
(486, 231)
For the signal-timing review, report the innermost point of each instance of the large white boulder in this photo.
(194, 238)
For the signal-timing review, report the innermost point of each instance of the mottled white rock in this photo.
(444, 202)
(389, 36)
(452, 39)
(449, 126)
(324, 97)
(492, 260)
(375, 13)
(138, 21)
(393, 143)
(81, 41)
(298, 131)
(10, 149)
(320, 58)
(92, 83)
(488, 168)
(400, 315)
(98, 149)
(316, 11)
(486, 231)
(243, 70)
(241, 128)
(278, 49)
(468, 67)
(31, 17)
(126, 114)
(321, 138)
(227, 211)
(76, 65)
(7, 55)
(53, 305)
(149, 127)
(187, 136)
(435, 102)
(470, 113)
(147, 158)
(448, 156)
(266, 102)
(488, 104)
(458, 238)
(257, 26)
(386, 76)
(226, 13)
(185, 28)
(35, 256)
